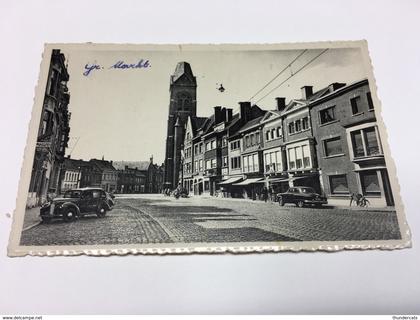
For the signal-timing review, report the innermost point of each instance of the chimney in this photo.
(218, 115)
(281, 103)
(335, 86)
(244, 109)
(306, 92)
(229, 114)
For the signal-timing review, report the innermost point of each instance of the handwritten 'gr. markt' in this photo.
(141, 64)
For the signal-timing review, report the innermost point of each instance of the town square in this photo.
(300, 160)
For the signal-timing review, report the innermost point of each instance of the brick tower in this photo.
(183, 88)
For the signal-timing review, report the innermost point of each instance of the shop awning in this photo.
(230, 180)
(287, 179)
(250, 181)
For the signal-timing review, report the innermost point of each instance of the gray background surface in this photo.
(344, 282)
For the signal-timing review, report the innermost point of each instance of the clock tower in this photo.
(183, 103)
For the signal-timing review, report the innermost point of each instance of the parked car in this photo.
(77, 202)
(301, 196)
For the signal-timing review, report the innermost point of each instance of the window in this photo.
(292, 158)
(257, 137)
(252, 139)
(338, 184)
(213, 163)
(370, 102)
(207, 146)
(245, 167)
(235, 163)
(327, 115)
(305, 123)
(291, 128)
(272, 161)
(224, 142)
(224, 161)
(200, 165)
(355, 102)
(356, 139)
(213, 144)
(267, 135)
(298, 126)
(208, 165)
(246, 141)
(370, 183)
(201, 147)
(299, 158)
(196, 166)
(273, 131)
(278, 132)
(332, 147)
(196, 149)
(235, 145)
(372, 145)
(365, 142)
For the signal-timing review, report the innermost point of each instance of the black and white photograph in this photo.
(207, 148)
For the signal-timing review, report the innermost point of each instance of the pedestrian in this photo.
(270, 193)
(265, 193)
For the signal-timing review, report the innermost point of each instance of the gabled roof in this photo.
(140, 165)
(270, 115)
(102, 164)
(295, 104)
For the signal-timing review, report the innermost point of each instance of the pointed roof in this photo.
(183, 69)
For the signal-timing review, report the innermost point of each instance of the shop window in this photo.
(370, 183)
(327, 115)
(338, 184)
(333, 147)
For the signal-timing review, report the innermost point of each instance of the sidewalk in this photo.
(32, 218)
(328, 206)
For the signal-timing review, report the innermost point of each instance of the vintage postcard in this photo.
(206, 148)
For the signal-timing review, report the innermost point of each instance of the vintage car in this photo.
(77, 202)
(301, 196)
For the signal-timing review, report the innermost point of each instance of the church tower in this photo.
(183, 88)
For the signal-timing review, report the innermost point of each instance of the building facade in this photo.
(350, 155)
(53, 134)
(131, 180)
(328, 140)
(71, 174)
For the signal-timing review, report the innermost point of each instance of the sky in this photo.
(122, 114)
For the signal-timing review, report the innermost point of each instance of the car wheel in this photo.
(101, 211)
(69, 215)
(46, 219)
(281, 201)
(300, 204)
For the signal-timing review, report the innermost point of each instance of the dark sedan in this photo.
(301, 196)
(76, 203)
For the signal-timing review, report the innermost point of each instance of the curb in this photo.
(31, 226)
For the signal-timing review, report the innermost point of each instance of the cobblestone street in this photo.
(159, 219)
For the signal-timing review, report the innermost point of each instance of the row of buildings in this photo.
(53, 133)
(112, 176)
(328, 140)
(53, 173)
